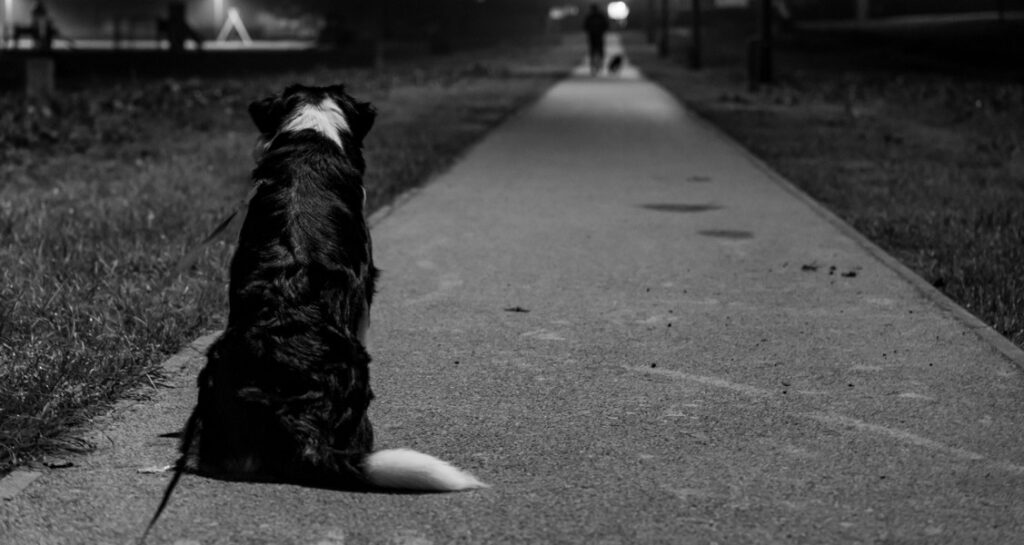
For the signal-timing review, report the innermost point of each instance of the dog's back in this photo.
(305, 242)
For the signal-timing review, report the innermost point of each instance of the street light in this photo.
(618, 11)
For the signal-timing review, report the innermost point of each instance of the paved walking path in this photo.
(636, 335)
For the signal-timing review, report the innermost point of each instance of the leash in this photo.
(190, 258)
(179, 468)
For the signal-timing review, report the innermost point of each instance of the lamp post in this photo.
(6, 23)
(759, 50)
(650, 21)
(695, 36)
(765, 74)
(663, 42)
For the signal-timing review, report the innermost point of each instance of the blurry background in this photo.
(468, 20)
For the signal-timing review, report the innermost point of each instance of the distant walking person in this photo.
(595, 25)
(42, 28)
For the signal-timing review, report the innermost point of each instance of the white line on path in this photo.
(836, 419)
(911, 438)
(703, 379)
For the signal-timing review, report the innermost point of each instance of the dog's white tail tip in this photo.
(407, 469)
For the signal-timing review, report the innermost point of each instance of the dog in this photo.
(285, 389)
(615, 64)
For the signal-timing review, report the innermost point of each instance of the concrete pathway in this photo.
(636, 334)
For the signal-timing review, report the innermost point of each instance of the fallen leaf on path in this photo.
(57, 463)
(155, 469)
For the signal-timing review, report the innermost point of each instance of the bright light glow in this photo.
(558, 13)
(618, 11)
(218, 11)
(6, 21)
(234, 22)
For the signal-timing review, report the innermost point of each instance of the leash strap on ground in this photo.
(191, 257)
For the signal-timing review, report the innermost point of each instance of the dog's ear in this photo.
(267, 114)
(359, 115)
(362, 119)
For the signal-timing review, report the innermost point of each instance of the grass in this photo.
(103, 190)
(921, 153)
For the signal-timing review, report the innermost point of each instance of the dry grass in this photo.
(928, 162)
(105, 189)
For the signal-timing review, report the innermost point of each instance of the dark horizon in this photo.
(98, 18)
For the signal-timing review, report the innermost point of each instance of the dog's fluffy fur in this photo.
(285, 390)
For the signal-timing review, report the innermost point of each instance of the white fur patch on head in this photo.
(325, 118)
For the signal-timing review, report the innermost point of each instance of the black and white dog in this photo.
(285, 390)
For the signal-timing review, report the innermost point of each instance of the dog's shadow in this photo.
(308, 483)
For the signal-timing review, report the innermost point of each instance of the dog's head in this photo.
(329, 111)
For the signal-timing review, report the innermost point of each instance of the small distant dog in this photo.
(615, 64)
(285, 390)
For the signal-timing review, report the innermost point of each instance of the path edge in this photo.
(982, 330)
